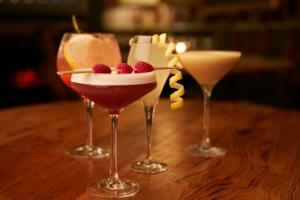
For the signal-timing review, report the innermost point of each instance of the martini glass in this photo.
(142, 49)
(208, 68)
(78, 51)
(113, 92)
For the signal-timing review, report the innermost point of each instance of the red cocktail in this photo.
(114, 98)
(113, 92)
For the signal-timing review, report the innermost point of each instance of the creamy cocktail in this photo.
(208, 67)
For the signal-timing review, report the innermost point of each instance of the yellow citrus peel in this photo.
(173, 62)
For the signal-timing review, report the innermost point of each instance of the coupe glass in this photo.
(142, 49)
(208, 67)
(79, 51)
(113, 92)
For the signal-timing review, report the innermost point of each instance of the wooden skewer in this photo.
(91, 71)
(74, 72)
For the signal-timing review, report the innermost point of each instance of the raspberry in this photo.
(124, 68)
(141, 67)
(100, 68)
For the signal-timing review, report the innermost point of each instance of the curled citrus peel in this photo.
(174, 63)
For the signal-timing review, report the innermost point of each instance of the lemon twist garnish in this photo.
(175, 97)
(173, 62)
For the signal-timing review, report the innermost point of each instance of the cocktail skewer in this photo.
(91, 71)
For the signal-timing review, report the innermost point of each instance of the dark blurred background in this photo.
(266, 31)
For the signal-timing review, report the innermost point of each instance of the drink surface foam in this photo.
(114, 79)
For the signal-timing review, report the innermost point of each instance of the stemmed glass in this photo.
(113, 92)
(79, 51)
(143, 49)
(208, 67)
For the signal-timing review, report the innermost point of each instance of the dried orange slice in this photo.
(86, 50)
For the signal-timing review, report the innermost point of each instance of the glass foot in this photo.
(149, 167)
(88, 152)
(198, 150)
(107, 189)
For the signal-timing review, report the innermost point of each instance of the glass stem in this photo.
(149, 111)
(113, 174)
(89, 112)
(205, 143)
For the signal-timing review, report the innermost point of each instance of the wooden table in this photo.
(262, 161)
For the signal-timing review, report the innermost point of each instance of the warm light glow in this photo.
(25, 78)
(140, 2)
(180, 47)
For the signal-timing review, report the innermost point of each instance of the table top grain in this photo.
(262, 143)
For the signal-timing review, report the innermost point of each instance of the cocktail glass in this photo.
(142, 49)
(208, 67)
(78, 51)
(113, 92)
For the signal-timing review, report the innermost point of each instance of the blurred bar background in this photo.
(266, 31)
